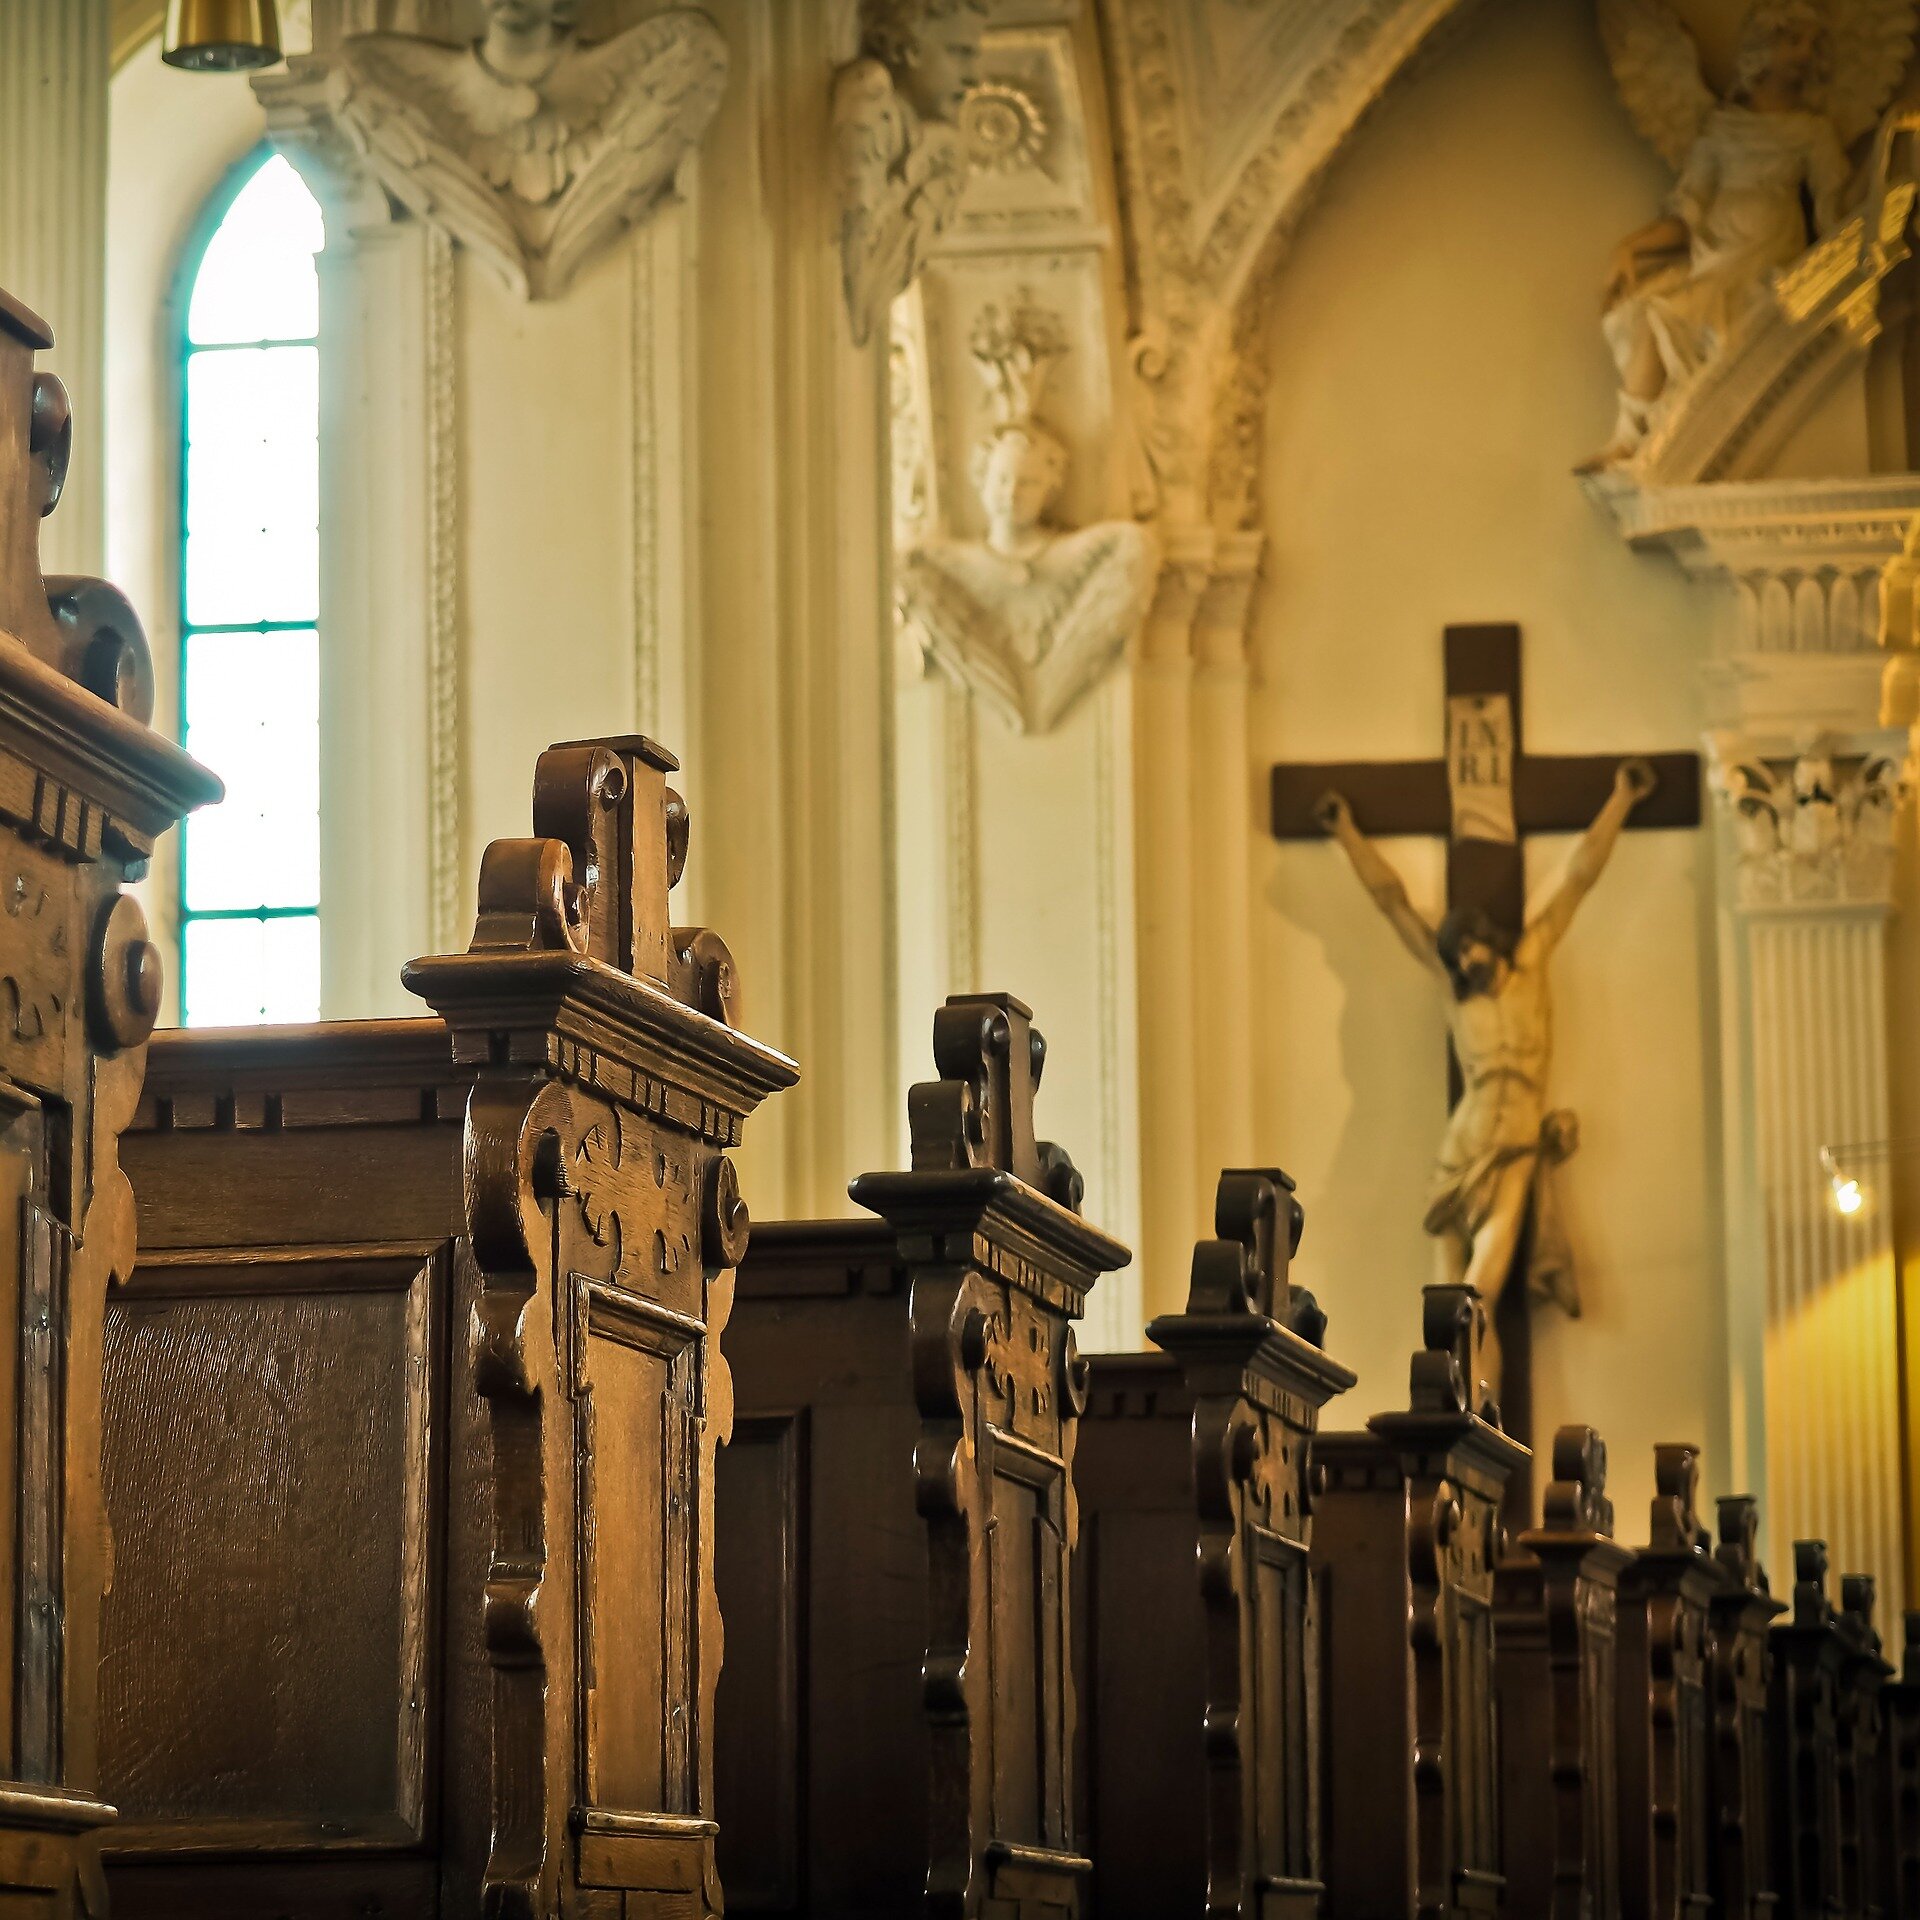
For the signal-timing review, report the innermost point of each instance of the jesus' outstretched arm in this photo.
(1379, 879)
(1633, 780)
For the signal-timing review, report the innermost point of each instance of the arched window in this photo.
(250, 591)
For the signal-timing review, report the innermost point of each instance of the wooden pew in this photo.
(1197, 1638)
(1866, 1780)
(1739, 1653)
(1901, 1697)
(1406, 1536)
(1665, 1720)
(1555, 1604)
(411, 1414)
(85, 790)
(1804, 1716)
(897, 1520)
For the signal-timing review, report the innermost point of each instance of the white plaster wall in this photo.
(546, 431)
(1437, 370)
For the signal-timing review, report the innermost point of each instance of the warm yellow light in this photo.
(1847, 1197)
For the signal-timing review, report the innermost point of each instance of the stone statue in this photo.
(528, 146)
(1027, 617)
(1808, 80)
(900, 164)
(1501, 1137)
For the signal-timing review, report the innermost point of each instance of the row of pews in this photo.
(377, 1516)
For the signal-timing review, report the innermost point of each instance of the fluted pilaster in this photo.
(53, 221)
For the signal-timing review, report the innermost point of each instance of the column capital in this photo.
(1813, 816)
(1203, 599)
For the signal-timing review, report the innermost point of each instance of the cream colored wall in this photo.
(1436, 372)
(173, 137)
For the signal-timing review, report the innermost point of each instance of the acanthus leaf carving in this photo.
(1814, 827)
(531, 147)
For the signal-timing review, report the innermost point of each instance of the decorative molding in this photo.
(529, 147)
(446, 738)
(1212, 207)
(1110, 898)
(910, 410)
(963, 851)
(646, 503)
(1813, 828)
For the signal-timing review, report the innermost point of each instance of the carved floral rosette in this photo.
(1001, 1265)
(605, 1220)
(86, 788)
(1248, 1348)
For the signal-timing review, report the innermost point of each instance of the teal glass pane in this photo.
(257, 278)
(252, 702)
(240, 972)
(253, 486)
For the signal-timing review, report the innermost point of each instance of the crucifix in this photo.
(1486, 795)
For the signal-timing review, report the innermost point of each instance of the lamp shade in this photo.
(220, 36)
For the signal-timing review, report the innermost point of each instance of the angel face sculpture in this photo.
(1808, 80)
(1026, 618)
(899, 163)
(1019, 471)
(530, 146)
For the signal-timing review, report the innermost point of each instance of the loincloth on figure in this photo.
(1461, 1198)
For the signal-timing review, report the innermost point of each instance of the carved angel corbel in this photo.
(1809, 80)
(530, 146)
(1028, 617)
(900, 164)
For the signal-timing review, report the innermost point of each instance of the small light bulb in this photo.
(1847, 1197)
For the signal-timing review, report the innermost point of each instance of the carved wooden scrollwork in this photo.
(85, 790)
(999, 1267)
(1248, 1346)
(605, 1218)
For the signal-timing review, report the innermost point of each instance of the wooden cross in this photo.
(1485, 795)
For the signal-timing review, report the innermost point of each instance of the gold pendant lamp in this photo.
(220, 36)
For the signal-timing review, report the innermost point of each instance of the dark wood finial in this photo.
(1447, 1375)
(979, 1113)
(1739, 1550)
(1576, 1498)
(1811, 1607)
(1674, 1521)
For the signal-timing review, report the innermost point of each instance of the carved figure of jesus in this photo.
(1499, 1016)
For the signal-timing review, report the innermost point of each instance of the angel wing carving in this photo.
(1030, 647)
(534, 177)
(1872, 44)
(1656, 66)
(900, 180)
